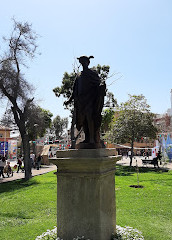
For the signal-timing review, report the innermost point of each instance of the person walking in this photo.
(19, 163)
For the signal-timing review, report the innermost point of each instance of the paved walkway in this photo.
(35, 172)
(45, 169)
(125, 161)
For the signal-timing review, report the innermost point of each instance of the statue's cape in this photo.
(88, 96)
(86, 82)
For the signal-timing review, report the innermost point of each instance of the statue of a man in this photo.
(88, 94)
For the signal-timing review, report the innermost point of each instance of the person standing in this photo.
(2, 165)
(130, 156)
(32, 159)
(38, 161)
(147, 154)
(129, 153)
(159, 156)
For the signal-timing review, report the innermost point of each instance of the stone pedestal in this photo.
(86, 193)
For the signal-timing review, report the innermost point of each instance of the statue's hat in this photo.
(82, 58)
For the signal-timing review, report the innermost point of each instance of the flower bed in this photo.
(122, 233)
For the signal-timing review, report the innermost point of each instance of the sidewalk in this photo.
(125, 161)
(45, 169)
(35, 172)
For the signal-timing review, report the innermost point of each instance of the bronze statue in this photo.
(88, 94)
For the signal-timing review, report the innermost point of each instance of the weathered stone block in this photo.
(86, 193)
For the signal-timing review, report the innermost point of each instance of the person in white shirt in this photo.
(130, 156)
(129, 153)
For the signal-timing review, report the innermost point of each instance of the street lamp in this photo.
(5, 141)
(35, 143)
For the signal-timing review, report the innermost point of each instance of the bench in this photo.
(153, 161)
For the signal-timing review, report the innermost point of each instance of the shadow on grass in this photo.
(16, 215)
(129, 171)
(17, 185)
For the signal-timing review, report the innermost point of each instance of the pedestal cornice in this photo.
(85, 162)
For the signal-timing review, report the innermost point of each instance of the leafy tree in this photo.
(38, 120)
(108, 113)
(13, 85)
(110, 101)
(107, 119)
(132, 121)
(59, 125)
(66, 89)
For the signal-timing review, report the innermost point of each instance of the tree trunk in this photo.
(26, 151)
(20, 121)
(132, 147)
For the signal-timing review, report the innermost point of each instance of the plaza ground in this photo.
(20, 175)
(125, 161)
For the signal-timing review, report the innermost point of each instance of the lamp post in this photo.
(5, 141)
(35, 143)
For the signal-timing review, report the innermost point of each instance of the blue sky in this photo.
(134, 37)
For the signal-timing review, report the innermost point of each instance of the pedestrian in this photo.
(147, 154)
(2, 165)
(7, 169)
(159, 156)
(32, 159)
(129, 153)
(19, 163)
(130, 156)
(39, 161)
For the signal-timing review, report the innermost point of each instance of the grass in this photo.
(148, 209)
(29, 208)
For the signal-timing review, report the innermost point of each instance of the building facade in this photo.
(4, 138)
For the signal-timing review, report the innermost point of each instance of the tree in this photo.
(66, 89)
(38, 120)
(132, 121)
(107, 119)
(110, 101)
(13, 85)
(108, 113)
(59, 125)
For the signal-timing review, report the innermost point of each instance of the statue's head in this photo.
(84, 60)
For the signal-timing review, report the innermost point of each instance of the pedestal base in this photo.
(83, 145)
(86, 194)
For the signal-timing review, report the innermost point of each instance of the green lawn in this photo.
(148, 209)
(29, 208)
